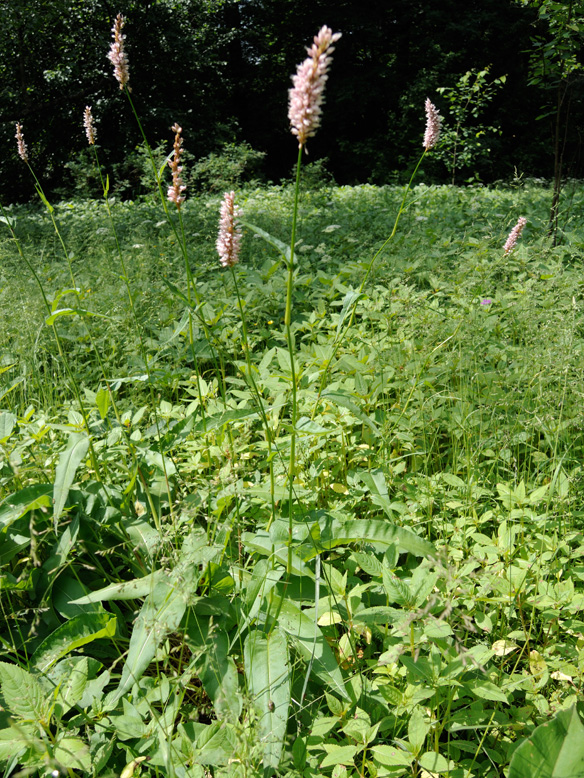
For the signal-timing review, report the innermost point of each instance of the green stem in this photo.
(290, 342)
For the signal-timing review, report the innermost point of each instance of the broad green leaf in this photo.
(22, 693)
(488, 691)
(7, 423)
(264, 543)
(339, 755)
(69, 461)
(418, 728)
(161, 613)
(436, 763)
(396, 590)
(102, 400)
(73, 754)
(275, 242)
(376, 531)
(34, 497)
(268, 678)
(215, 422)
(348, 401)
(311, 643)
(391, 757)
(59, 314)
(215, 745)
(554, 750)
(350, 300)
(127, 590)
(71, 635)
(16, 739)
(71, 689)
(218, 674)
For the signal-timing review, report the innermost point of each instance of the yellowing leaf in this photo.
(328, 618)
(503, 647)
(537, 664)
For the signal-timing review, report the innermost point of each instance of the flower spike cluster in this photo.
(117, 56)
(229, 238)
(20, 144)
(433, 125)
(307, 95)
(89, 125)
(514, 235)
(176, 189)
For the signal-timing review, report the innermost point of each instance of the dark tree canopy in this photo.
(221, 69)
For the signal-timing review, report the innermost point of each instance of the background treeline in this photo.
(221, 69)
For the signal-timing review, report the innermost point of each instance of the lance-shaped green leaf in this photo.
(275, 242)
(311, 643)
(268, 677)
(160, 614)
(127, 590)
(69, 461)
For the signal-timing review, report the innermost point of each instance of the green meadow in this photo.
(402, 596)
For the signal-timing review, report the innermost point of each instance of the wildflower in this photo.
(89, 125)
(175, 191)
(486, 301)
(117, 55)
(433, 125)
(514, 235)
(21, 145)
(229, 238)
(307, 95)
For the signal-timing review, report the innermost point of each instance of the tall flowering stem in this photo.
(175, 191)
(514, 235)
(304, 112)
(307, 94)
(117, 54)
(228, 248)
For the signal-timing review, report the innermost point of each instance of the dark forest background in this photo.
(221, 69)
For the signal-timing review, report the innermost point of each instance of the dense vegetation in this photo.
(314, 509)
(450, 420)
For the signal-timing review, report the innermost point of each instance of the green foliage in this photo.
(234, 165)
(462, 145)
(415, 607)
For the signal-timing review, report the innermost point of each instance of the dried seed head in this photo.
(20, 144)
(433, 125)
(175, 191)
(117, 55)
(307, 95)
(229, 238)
(514, 235)
(89, 125)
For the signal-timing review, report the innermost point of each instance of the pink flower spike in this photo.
(514, 235)
(307, 95)
(117, 55)
(175, 191)
(20, 144)
(433, 125)
(89, 125)
(229, 238)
